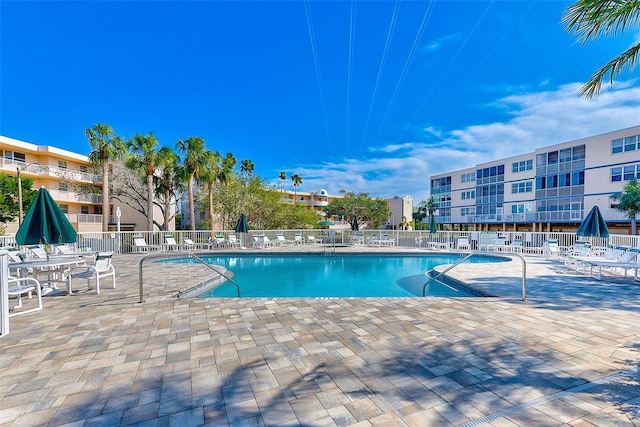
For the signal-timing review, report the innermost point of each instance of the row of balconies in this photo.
(530, 217)
(11, 166)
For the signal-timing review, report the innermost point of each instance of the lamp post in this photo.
(20, 169)
(118, 215)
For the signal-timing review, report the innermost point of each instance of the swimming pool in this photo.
(318, 276)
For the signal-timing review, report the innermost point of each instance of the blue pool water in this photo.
(333, 276)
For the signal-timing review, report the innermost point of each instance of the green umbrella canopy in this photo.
(241, 226)
(354, 225)
(433, 228)
(45, 223)
(593, 225)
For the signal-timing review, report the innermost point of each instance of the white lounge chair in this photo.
(218, 242)
(35, 251)
(298, 239)
(313, 239)
(63, 249)
(233, 241)
(385, 240)
(191, 245)
(463, 244)
(100, 269)
(140, 245)
(171, 244)
(626, 261)
(282, 241)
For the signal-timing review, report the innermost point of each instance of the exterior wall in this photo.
(400, 207)
(566, 181)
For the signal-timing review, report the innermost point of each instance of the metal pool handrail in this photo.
(482, 253)
(182, 255)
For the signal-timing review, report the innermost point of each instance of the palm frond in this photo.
(589, 19)
(626, 60)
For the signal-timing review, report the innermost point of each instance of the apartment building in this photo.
(549, 189)
(401, 212)
(54, 169)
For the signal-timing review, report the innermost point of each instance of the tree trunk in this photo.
(633, 226)
(150, 203)
(105, 195)
(192, 208)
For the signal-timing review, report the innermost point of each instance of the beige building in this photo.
(54, 168)
(401, 212)
(549, 189)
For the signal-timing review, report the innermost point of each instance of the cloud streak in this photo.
(537, 119)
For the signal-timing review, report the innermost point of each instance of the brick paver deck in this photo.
(568, 355)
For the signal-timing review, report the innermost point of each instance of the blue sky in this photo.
(363, 96)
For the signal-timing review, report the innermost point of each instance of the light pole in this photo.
(118, 215)
(19, 169)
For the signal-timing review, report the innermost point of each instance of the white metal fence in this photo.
(123, 242)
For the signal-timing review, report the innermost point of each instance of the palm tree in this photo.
(210, 175)
(194, 163)
(283, 177)
(106, 147)
(589, 19)
(144, 157)
(297, 181)
(247, 167)
(168, 182)
(629, 202)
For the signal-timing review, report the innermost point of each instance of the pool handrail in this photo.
(482, 253)
(182, 255)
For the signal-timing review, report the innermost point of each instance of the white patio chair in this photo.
(20, 286)
(100, 269)
(313, 239)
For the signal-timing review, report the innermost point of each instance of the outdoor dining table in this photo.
(55, 267)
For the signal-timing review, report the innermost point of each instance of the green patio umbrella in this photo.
(354, 225)
(433, 228)
(593, 225)
(45, 223)
(242, 227)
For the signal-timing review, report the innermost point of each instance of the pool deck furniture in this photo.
(140, 245)
(101, 268)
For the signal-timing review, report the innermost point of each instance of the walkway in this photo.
(567, 356)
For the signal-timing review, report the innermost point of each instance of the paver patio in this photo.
(568, 355)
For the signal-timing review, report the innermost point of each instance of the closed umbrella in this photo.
(354, 225)
(593, 225)
(433, 228)
(241, 227)
(45, 223)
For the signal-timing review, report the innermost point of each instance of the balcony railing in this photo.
(531, 217)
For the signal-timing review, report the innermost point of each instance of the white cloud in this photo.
(538, 119)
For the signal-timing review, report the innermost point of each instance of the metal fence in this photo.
(123, 242)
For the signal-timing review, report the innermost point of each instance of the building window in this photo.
(84, 210)
(629, 143)
(84, 169)
(64, 208)
(468, 177)
(62, 164)
(521, 208)
(62, 186)
(471, 194)
(626, 173)
(467, 211)
(525, 165)
(522, 187)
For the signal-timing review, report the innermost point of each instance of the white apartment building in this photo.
(549, 189)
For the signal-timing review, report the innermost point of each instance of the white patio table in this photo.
(54, 267)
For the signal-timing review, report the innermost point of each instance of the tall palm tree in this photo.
(144, 157)
(210, 175)
(193, 149)
(247, 167)
(629, 202)
(168, 182)
(589, 19)
(283, 177)
(297, 181)
(106, 147)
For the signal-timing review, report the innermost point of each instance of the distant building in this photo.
(401, 208)
(549, 189)
(54, 168)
